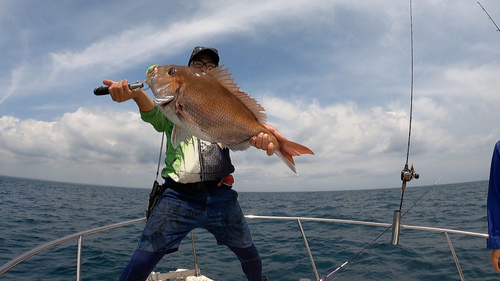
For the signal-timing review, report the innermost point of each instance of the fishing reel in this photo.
(408, 174)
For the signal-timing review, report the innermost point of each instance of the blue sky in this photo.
(332, 75)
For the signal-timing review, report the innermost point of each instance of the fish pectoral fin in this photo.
(179, 106)
(178, 135)
(183, 115)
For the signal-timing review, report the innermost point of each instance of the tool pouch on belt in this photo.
(156, 191)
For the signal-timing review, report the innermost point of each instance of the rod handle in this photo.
(103, 90)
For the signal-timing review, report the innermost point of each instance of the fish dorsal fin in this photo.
(224, 78)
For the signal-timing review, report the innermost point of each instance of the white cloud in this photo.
(86, 146)
(16, 75)
(100, 146)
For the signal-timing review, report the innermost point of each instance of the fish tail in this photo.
(289, 149)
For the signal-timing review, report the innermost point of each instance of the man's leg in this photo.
(228, 224)
(140, 266)
(171, 220)
(250, 262)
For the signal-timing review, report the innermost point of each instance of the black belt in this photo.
(213, 186)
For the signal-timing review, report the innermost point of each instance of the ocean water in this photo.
(34, 212)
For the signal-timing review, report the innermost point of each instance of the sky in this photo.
(333, 75)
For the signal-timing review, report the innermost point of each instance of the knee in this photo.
(246, 254)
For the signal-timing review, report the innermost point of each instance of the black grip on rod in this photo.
(101, 91)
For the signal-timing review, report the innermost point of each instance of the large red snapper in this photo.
(211, 107)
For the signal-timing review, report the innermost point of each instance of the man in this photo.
(493, 208)
(198, 191)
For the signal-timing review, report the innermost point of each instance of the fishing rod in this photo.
(498, 29)
(407, 174)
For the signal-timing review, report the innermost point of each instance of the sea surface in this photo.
(33, 212)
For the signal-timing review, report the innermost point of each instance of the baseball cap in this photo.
(200, 50)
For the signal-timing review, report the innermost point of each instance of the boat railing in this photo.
(79, 236)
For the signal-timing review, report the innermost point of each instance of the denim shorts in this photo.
(178, 211)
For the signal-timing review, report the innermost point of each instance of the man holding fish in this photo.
(198, 181)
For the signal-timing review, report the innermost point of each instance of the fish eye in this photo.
(171, 71)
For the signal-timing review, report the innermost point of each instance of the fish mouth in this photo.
(163, 102)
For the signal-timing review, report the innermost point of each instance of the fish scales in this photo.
(218, 113)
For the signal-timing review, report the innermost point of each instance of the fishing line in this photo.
(384, 232)
(161, 150)
(418, 200)
(157, 189)
(355, 256)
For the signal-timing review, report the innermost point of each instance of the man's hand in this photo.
(495, 257)
(120, 92)
(263, 141)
